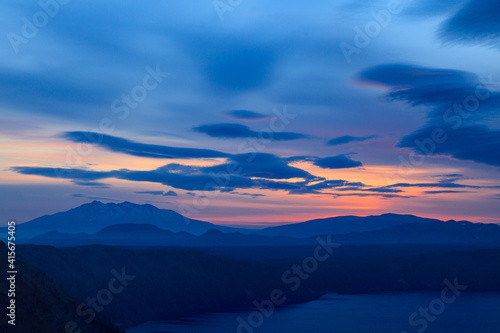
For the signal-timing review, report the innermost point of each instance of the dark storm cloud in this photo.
(231, 131)
(337, 162)
(247, 115)
(347, 139)
(121, 145)
(478, 22)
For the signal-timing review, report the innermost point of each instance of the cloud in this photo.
(170, 194)
(382, 190)
(405, 76)
(163, 193)
(429, 8)
(448, 93)
(78, 195)
(65, 173)
(450, 175)
(260, 165)
(478, 22)
(246, 115)
(327, 184)
(445, 192)
(46, 93)
(472, 143)
(450, 178)
(90, 183)
(237, 65)
(382, 195)
(121, 145)
(347, 139)
(456, 102)
(441, 185)
(253, 195)
(232, 131)
(337, 162)
(205, 179)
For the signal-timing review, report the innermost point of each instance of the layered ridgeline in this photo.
(149, 273)
(92, 217)
(128, 224)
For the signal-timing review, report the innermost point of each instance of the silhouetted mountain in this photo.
(450, 232)
(94, 216)
(343, 225)
(149, 235)
(430, 232)
(128, 224)
(129, 234)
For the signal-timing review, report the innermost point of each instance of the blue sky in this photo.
(251, 112)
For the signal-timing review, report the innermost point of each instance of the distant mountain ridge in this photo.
(131, 224)
(150, 235)
(94, 216)
(344, 225)
(444, 233)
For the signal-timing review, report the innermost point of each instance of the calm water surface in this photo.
(469, 313)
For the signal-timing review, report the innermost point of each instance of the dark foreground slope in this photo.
(170, 283)
(160, 283)
(42, 305)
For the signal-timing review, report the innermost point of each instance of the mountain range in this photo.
(128, 224)
(94, 216)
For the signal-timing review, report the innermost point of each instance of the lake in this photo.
(375, 313)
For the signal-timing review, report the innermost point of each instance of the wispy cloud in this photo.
(247, 115)
(231, 131)
(478, 22)
(456, 101)
(121, 145)
(347, 139)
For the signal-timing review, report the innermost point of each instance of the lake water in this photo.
(468, 313)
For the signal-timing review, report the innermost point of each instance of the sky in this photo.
(251, 112)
